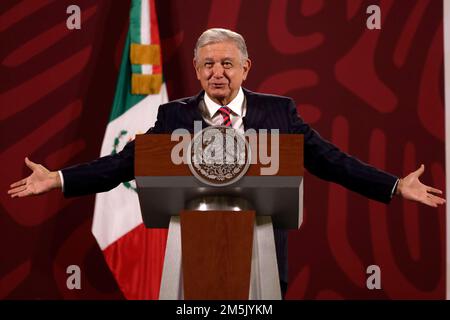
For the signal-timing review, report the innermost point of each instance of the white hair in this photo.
(217, 35)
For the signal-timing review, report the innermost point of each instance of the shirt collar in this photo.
(235, 105)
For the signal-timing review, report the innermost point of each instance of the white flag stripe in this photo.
(147, 68)
(146, 35)
(117, 211)
(145, 22)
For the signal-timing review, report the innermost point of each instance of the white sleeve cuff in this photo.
(394, 188)
(61, 177)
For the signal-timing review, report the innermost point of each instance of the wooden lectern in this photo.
(220, 244)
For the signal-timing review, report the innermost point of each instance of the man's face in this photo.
(221, 71)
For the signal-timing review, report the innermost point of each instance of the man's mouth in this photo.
(218, 85)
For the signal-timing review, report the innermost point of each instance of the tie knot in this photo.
(225, 111)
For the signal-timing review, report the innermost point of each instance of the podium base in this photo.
(264, 279)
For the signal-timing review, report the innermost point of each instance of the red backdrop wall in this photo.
(377, 94)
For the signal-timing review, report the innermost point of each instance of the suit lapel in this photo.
(193, 112)
(255, 116)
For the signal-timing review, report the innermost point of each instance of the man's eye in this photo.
(227, 64)
(208, 64)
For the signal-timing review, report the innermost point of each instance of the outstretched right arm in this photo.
(100, 175)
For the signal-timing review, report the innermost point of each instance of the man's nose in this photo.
(218, 70)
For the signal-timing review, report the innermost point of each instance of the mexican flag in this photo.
(133, 253)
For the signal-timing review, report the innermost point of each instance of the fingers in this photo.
(24, 193)
(18, 183)
(433, 201)
(30, 164)
(12, 192)
(429, 203)
(436, 199)
(433, 190)
(21, 191)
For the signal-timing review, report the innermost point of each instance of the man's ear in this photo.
(194, 63)
(246, 66)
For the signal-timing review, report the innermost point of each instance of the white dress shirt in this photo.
(210, 111)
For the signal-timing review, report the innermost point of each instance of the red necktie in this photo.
(226, 115)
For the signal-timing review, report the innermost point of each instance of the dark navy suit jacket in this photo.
(321, 158)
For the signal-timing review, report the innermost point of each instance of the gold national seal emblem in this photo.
(219, 156)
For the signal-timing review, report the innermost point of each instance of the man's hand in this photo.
(40, 181)
(412, 189)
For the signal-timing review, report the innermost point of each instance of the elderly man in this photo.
(221, 63)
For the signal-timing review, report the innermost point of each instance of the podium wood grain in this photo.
(216, 254)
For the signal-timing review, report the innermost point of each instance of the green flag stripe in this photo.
(135, 21)
(135, 28)
(123, 99)
(136, 68)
